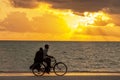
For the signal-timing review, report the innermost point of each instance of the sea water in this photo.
(78, 56)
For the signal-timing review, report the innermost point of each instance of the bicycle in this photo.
(59, 68)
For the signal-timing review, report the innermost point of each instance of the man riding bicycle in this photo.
(39, 67)
(46, 57)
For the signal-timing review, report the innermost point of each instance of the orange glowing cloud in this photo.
(43, 22)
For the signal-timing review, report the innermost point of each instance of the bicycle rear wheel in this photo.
(39, 70)
(60, 69)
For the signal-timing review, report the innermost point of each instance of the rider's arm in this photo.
(50, 56)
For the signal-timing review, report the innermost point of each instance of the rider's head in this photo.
(46, 46)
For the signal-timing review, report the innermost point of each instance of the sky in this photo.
(60, 20)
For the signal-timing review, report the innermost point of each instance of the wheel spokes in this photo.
(60, 69)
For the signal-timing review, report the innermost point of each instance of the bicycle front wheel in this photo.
(39, 70)
(60, 69)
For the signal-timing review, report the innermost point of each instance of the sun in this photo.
(95, 17)
(87, 19)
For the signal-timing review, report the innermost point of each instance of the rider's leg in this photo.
(48, 61)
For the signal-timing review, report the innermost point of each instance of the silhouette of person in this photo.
(38, 59)
(46, 57)
(39, 56)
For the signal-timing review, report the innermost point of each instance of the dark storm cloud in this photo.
(24, 3)
(81, 5)
(112, 6)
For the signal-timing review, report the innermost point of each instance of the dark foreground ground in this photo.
(69, 76)
(62, 78)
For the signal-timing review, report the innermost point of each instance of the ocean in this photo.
(78, 56)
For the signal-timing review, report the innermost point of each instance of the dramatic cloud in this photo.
(48, 23)
(88, 5)
(24, 3)
(81, 5)
(60, 19)
(111, 6)
(16, 22)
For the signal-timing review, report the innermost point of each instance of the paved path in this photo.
(68, 76)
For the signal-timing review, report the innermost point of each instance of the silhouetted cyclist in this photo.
(46, 58)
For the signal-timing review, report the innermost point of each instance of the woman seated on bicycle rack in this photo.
(46, 58)
(38, 59)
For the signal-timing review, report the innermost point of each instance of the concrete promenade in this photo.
(68, 76)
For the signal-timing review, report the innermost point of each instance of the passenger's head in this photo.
(46, 46)
(41, 49)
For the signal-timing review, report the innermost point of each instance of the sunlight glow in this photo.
(72, 20)
(47, 21)
(75, 22)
